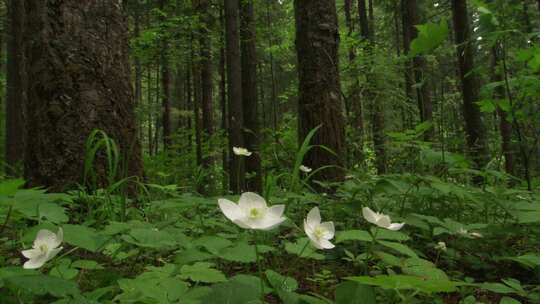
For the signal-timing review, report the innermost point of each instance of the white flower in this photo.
(319, 233)
(241, 151)
(305, 169)
(463, 231)
(380, 219)
(476, 235)
(441, 246)
(45, 248)
(251, 212)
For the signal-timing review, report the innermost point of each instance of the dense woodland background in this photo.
(395, 87)
(120, 118)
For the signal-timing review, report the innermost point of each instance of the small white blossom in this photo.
(45, 247)
(241, 151)
(441, 246)
(319, 233)
(251, 212)
(381, 220)
(305, 169)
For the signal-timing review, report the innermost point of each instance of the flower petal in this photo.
(268, 223)
(383, 221)
(369, 215)
(314, 217)
(276, 210)
(325, 244)
(36, 262)
(231, 210)
(249, 200)
(395, 226)
(59, 236)
(46, 237)
(53, 252)
(31, 253)
(329, 229)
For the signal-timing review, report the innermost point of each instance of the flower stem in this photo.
(259, 267)
(295, 262)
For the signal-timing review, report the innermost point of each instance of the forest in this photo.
(269, 151)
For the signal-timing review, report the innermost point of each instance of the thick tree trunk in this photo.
(79, 80)
(249, 95)
(16, 88)
(319, 101)
(206, 75)
(505, 126)
(234, 93)
(197, 94)
(474, 127)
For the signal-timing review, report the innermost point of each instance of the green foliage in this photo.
(430, 36)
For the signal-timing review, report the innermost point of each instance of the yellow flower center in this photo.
(255, 213)
(43, 248)
(319, 233)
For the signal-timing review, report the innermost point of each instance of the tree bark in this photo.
(505, 126)
(223, 101)
(474, 128)
(234, 93)
(79, 80)
(367, 32)
(206, 75)
(249, 94)
(165, 86)
(355, 101)
(418, 67)
(319, 101)
(16, 89)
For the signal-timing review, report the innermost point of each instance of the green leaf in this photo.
(353, 235)
(242, 252)
(430, 36)
(507, 300)
(497, 287)
(83, 237)
(303, 247)
(86, 264)
(202, 272)
(150, 238)
(64, 270)
(354, 293)
(406, 282)
(528, 260)
(385, 234)
(42, 285)
(10, 187)
(403, 249)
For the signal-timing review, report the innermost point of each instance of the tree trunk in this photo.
(16, 88)
(234, 93)
(165, 86)
(79, 80)
(319, 101)
(355, 101)
(505, 126)
(223, 101)
(377, 108)
(206, 76)
(419, 65)
(196, 72)
(249, 95)
(474, 128)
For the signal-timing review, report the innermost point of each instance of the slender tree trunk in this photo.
(377, 108)
(138, 67)
(354, 96)
(150, 116)
(319, 101)
(234, 93)
(197, 94)
(408, 66)
(474, 127)
(166, 88)
(74, 89)
(505, 126)
(273, 95)
(249, 95)
(206, 76)
(419, 65)
(223, 101)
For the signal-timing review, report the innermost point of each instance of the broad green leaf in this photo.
(406, 282)
(83, 237)
(304, 249)
(42, 285)
(202, 272)
(430, 36)
(150, 238)
(354, 293)
(403, 249)
(10, 187)
(353, 235)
